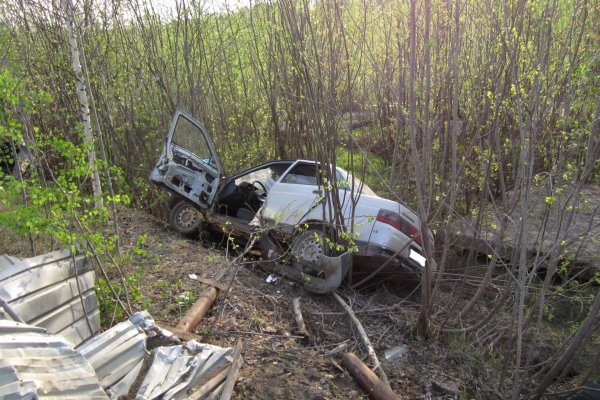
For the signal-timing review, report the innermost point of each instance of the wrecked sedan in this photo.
(285, 200)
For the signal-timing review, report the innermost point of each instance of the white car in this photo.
(285, 199)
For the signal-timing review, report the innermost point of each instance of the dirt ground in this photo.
(279, 363)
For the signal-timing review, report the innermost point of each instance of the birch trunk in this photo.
(83, 100)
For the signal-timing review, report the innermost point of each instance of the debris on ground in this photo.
(54, 294)
(115, 363)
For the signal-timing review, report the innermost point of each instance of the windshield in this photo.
(267, 176)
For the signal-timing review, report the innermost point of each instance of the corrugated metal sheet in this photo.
(37, 365)
(117, 356)
(54, 291)
(116, 352)
(178, 369)
(34, 364)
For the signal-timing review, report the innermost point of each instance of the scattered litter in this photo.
(272, 279)
(395, 352)
(185, 298)
(193, 276)
(111, 363)
(176, 369)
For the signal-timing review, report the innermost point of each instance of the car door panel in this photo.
(189, 165)
(290, 204)
(297, 198)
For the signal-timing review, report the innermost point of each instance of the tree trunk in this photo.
(83, 100)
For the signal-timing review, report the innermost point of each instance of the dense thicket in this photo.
(487, 71)
(448, 105)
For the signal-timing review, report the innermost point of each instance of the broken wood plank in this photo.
(198, 311)
(233, 372)
(367, 379)
(298, 317)
(211, 282)
(204, 388)
(364, 337)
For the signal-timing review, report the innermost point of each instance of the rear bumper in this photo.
(403, 258)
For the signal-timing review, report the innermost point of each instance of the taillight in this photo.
(400, 223)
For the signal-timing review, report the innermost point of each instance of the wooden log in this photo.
(367, 379)
(233, 372)
(298, 317)
(198, 311)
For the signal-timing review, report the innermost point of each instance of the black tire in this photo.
(184, 218)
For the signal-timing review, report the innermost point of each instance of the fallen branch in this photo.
(374, 387)
(232, 264)
(298, 317)
(339, 348)
(234, 332)
(211, 282)
(181, 334)
(364, 338)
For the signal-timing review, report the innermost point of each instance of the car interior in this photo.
(240, 200)
(243, 195)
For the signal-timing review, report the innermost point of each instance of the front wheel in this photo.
(185, 218)
(309, 246)
(314, 267)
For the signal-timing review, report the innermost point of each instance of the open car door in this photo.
(188, 164)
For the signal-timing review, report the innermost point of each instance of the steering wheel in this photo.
(260, 189)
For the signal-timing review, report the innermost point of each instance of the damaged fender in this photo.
(334, 268)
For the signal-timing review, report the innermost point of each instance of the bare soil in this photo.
(278, 363)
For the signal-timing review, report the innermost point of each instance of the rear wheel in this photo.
(185, 218)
